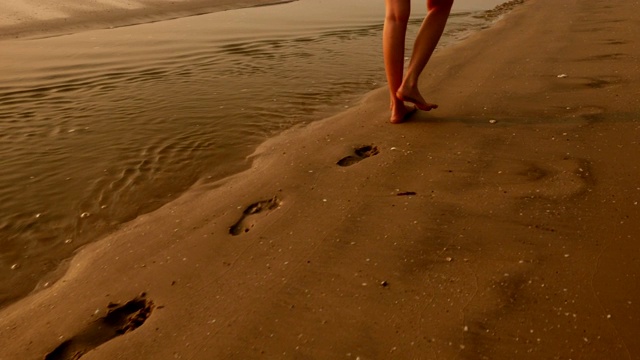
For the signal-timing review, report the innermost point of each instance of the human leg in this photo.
(428, 36)
(393, 41)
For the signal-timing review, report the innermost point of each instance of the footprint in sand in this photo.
(591, 114)
(552, 179)
(361, 153)
(119, 320)
(601, 82)
(594, 82)
(615, 42)
(612, 56)
(251, 214)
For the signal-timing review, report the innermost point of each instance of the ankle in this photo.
(397, 103)
(410, 81)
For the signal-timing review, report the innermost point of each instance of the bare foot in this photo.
(401, 113)
(413, 96)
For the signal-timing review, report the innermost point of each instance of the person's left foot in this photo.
(401, 113)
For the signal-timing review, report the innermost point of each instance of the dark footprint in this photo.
(247, 220)
(615, 42)
(614, 56)
(601, 82)
(361, 153)
(119, 320)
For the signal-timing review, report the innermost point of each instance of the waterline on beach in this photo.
(99, 127)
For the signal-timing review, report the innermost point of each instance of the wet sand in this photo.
(503, 225)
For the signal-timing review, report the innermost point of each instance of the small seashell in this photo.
(562, 76)
(85, 215)
(493, 121)
(14, 266)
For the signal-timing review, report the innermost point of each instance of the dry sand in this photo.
(462, 238)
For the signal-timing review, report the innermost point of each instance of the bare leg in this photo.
(426, 41)
(393, 38)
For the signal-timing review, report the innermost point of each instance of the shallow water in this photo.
(101, 126)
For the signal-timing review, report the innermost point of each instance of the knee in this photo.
(397, 15)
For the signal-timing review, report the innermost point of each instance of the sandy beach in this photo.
(501, 226)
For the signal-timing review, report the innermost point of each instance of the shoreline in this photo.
(62, 20)
(488, 236)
